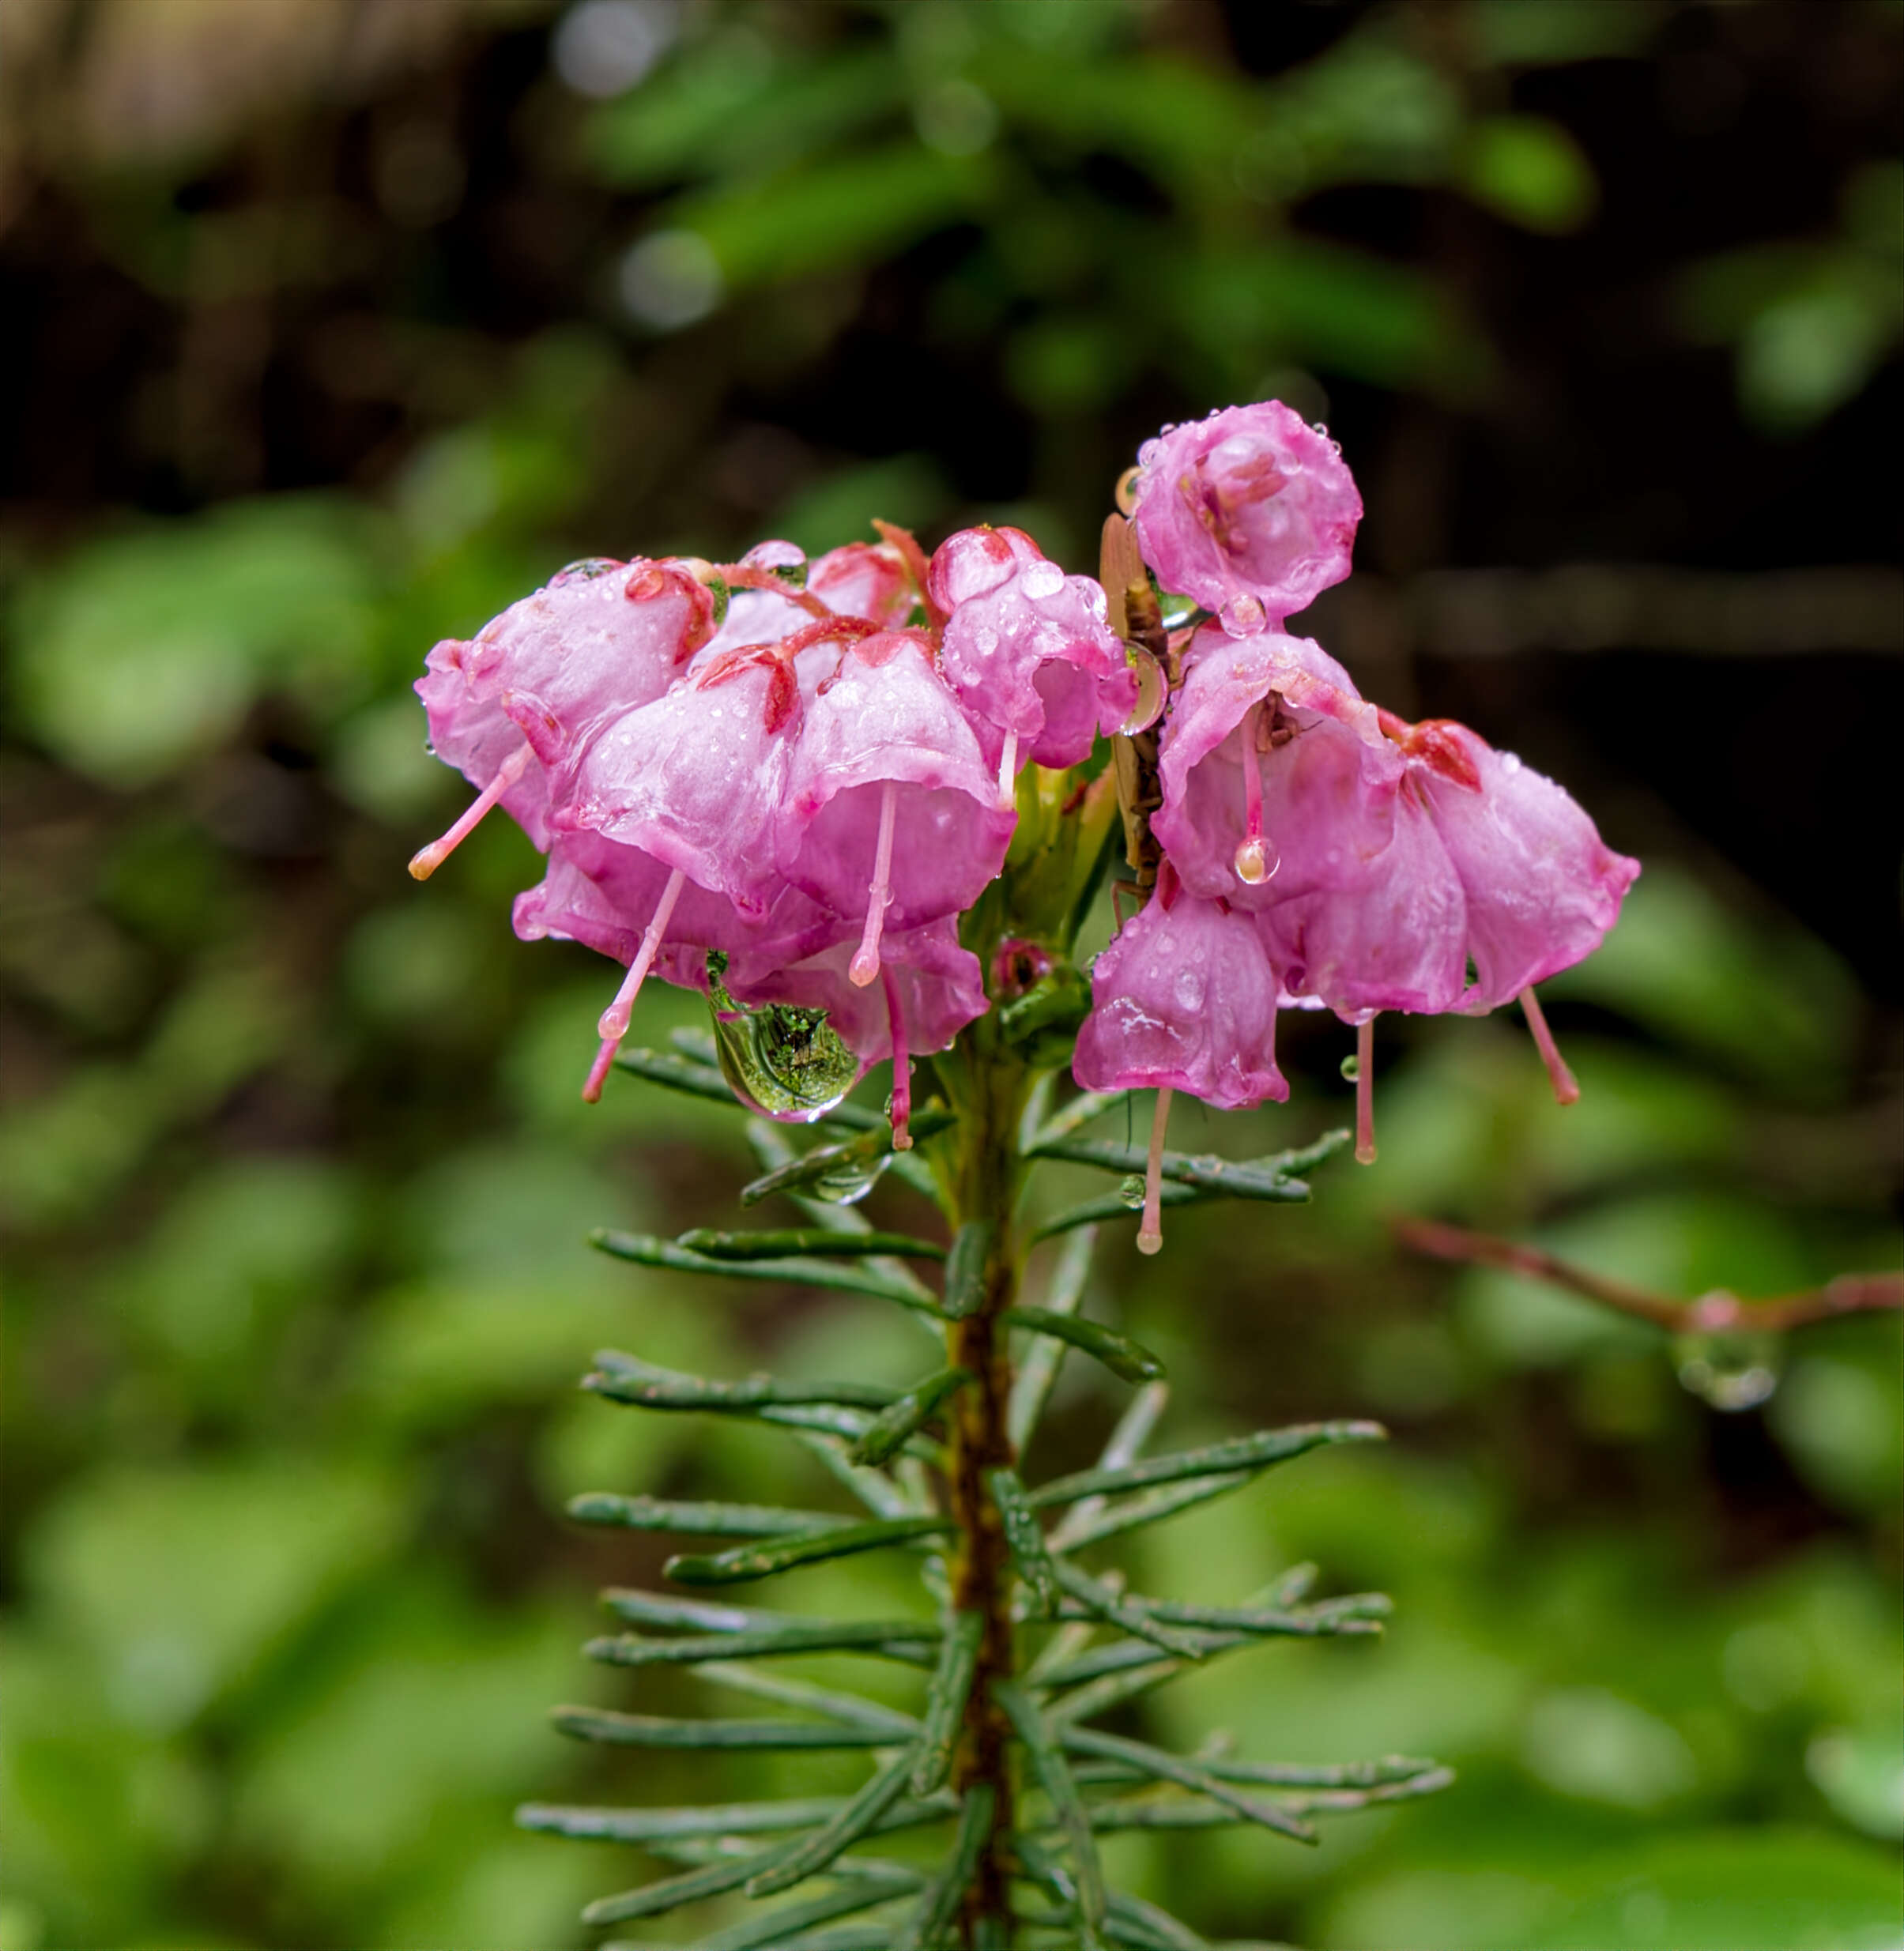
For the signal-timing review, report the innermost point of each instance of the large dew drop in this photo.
(785, 1062)
(1730, 1371)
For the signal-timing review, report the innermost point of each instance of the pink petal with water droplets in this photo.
(1184, 998)
(1251, 507)
(885, 715)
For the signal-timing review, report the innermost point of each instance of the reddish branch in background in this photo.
(1716, 1313)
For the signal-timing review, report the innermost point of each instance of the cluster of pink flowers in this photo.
(809, 769)
(1317, 852)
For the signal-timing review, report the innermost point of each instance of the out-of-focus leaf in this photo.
(184, 1581)
(1339, 309)
(825, 214)
(1757, 1889)
(1840, 1414)
(144, 651)
(1529, 170)
(731, 107)
(1771, 1001)
(1510, 33)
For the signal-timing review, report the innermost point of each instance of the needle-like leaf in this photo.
(1054, 1774)
(849, 1823)
(625, 1378)
(651, 1730)
(796, 1240)
(927, 1925)
(945, 1698)
(849, 1276)
(883, 1638)
(824, 1160)
(906, 1414)
(1129, 1360)
(1026, 1537)
(1250, 1453)
(1031, 1387)
(705, 1520)
(1169, 1768)
(840, 1541)
(1115, 1610)
(965, 1268)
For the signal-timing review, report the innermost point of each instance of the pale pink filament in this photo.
(1252, 857)
(1566, 1090)
(1365, 1093)
(426, 861)
(865, 965)
(614, 1023)
(1150, 1233)
(1008, 771)
(901, 1065)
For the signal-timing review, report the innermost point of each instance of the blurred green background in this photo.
(336, 327)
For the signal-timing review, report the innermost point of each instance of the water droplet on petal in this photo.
(1041, 579)
(1189, 989)
(1242, 615)
(1510, 762)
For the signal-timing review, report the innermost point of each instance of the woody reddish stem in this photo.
(982, 1574)
(1712, 1313)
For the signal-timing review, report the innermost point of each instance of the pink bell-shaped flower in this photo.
(868, 579)
(698, 778)
(1252, 512)
(1277, 780)
(1542, 888)
(1027, 648)
(525, 695)
(1184, 999)
(888, 812)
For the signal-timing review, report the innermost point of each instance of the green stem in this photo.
(985, 1188)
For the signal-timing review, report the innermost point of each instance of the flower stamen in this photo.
(1365, 1093)
(613, 1025)
(865, 965)
(426, 861)
(1566, 1090)
(1150, 1233)
(1253, 865)
(901, 1065)
(1008, 772)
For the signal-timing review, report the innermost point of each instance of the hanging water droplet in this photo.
(851, 1180)
(1351, 1068)
(785, 1062)
(1130, 1190)
(1730, 1371)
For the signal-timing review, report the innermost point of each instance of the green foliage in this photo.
(296, 1187)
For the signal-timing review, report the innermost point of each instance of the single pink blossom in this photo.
(1542, 888)
(1276, 777)
(888, 813)
(868, 579)
(1184, 998)
(1252, 512)
(526, 693)
(1028, 648)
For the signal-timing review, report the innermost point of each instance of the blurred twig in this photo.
(1849, 1294)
